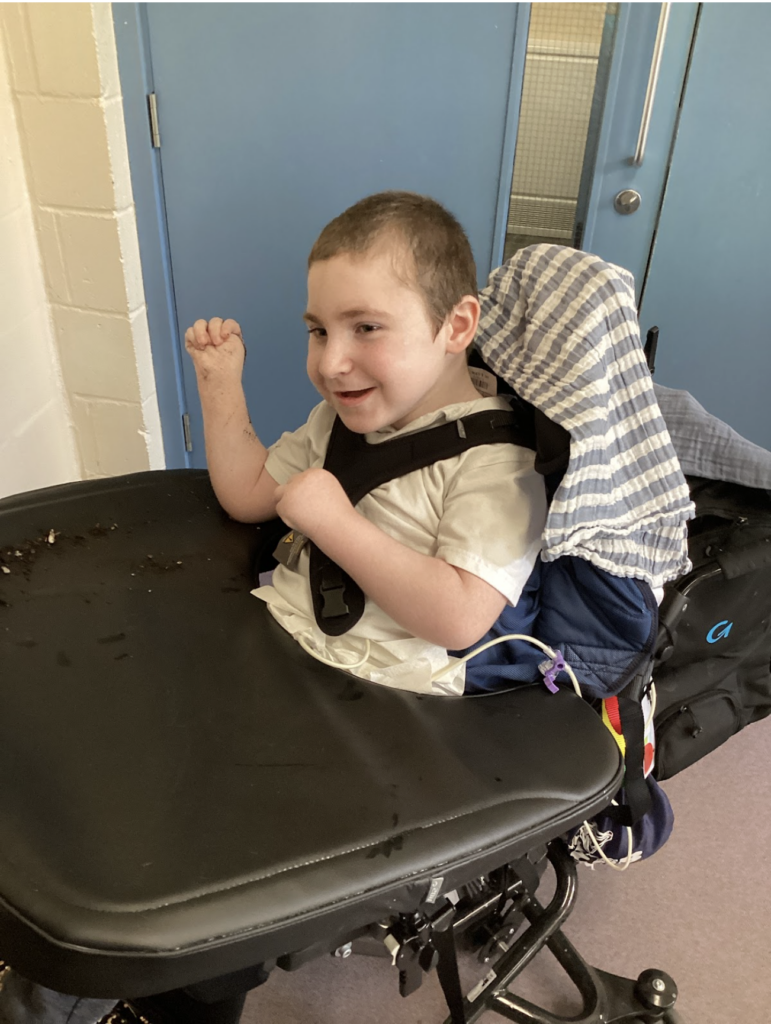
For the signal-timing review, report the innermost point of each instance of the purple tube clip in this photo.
(551, 669)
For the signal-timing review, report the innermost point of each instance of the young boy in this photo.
(392, 309)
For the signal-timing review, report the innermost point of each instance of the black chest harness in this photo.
(360, 467)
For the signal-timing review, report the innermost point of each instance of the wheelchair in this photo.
(191, 801)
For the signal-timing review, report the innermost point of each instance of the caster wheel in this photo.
(656, 990)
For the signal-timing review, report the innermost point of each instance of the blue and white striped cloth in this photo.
(560, 326)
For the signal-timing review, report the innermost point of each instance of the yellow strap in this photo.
(618, 737)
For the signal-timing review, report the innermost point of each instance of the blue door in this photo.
(697, 243)
(709, 279)
(275, 117)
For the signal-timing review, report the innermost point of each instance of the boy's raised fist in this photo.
(215, 346)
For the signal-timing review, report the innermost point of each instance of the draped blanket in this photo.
(560, 326)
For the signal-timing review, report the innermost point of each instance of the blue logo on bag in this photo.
(724, 629)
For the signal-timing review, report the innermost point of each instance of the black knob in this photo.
(656, 990)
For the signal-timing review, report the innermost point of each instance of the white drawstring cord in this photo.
(598, 848)
(499, 640)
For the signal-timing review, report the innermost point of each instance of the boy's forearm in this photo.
(234, 454)
(424, 594)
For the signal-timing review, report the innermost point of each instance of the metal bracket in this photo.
(155, 131)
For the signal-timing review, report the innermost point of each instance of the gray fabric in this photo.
(708, 447)
(24, 1002)
(560, 326)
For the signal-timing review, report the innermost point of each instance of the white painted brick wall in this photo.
(64, 80)
(37, 446)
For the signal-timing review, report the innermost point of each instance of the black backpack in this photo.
(713, 675)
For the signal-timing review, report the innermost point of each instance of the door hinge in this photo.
(186, 432)
(155, 131)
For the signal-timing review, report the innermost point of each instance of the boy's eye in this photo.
(367, 328)
(317, 332)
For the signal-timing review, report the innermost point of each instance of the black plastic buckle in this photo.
(334, 600)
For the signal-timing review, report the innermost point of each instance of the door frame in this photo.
(508, 149)
(136, 78)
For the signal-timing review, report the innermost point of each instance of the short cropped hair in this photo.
(442, 264)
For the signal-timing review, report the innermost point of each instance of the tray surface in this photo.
(178, 774)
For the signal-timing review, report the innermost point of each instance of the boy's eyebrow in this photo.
(349, 314)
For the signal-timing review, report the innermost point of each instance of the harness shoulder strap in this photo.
(361, 467)
(338, 601)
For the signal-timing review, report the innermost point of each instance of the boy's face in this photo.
(373, 352)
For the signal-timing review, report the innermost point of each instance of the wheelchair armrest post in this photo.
(673, 607)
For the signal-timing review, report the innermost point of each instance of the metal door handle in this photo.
(653, 79)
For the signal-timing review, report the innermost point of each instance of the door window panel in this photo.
(563, 94)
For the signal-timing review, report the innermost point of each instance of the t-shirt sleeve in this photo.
(493, 517)
(301, 449)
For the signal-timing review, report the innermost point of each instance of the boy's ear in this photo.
(462, 324)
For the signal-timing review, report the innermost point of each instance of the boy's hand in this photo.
(216, 348)
(311, 502)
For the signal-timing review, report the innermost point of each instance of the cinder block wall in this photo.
(37, 445)
(66, 92)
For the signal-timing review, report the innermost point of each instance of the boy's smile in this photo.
(373, 351)
(351, 398)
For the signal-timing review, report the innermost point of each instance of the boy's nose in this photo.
(335, 358)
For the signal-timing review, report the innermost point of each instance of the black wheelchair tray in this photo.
(185, 792)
